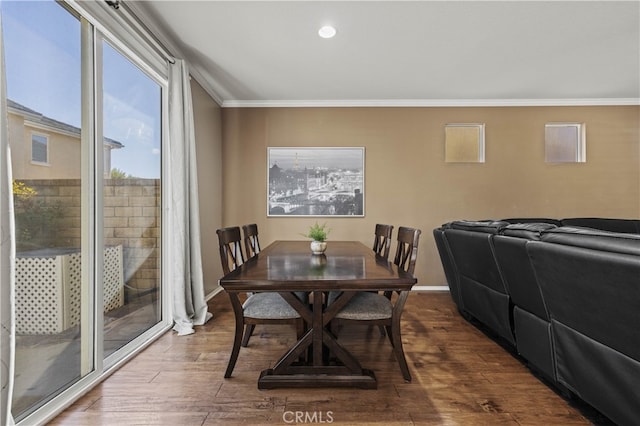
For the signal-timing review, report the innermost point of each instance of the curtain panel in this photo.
(187, 285)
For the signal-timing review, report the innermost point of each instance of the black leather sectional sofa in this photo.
(564, 294)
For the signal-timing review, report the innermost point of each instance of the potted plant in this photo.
(318, 235)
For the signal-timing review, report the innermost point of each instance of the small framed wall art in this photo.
(565, 143)
(464, 143)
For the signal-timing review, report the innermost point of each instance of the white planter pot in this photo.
(318, 247)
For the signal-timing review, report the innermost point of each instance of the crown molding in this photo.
(429, 103)
(199, 76)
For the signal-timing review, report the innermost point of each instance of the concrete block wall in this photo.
(131, 219)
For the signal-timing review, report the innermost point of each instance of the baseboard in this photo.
(430, 288)
(213, 293)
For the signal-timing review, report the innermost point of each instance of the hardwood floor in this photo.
(460, 377)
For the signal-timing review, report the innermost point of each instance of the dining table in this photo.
(345, 268)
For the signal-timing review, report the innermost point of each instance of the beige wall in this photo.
(208, 134)
(408, 183)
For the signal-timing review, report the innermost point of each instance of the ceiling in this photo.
(406, 53)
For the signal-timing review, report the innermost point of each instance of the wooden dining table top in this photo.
(290, 266)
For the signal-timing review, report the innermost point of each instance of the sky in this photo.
(42, 59)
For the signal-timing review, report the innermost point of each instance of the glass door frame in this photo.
(98, 174)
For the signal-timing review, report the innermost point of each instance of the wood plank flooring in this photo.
(460, 377)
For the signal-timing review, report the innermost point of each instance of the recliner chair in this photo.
(531, 323)
(482, 289)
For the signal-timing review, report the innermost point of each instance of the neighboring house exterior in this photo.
(50, 149)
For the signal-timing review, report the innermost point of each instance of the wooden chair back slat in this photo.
(230, 242)
(382, 240)
(251, 241)
(407, 249)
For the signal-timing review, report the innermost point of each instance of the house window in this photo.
(39, 149)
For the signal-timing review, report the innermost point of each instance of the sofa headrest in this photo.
(486, 226)
(530, 231)
(594, 239)
(515, 220)
(628, 226)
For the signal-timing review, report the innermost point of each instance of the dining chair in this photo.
(385, 309)
(251, 247)
(382, 240)
(407, 249)
(231, 256)
(382, 246)
(251, 241)
(258, 308)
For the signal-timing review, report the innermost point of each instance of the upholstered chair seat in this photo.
(365, 306)
(268, 306)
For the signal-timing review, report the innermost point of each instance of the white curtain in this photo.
(189, 305)
(7, 255)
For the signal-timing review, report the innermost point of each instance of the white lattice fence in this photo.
(113, 278)
(48, 294)
(39, 297)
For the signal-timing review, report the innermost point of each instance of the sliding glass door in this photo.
(131, 199)
(43, 72)
(85, 128)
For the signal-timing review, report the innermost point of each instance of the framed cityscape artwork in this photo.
(315, 182)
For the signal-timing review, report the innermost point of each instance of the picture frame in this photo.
(319, 181)
(464, 143)
(565, 143)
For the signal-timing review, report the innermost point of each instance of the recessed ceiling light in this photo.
(327, 31)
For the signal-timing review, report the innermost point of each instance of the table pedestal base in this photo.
(329, 377)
